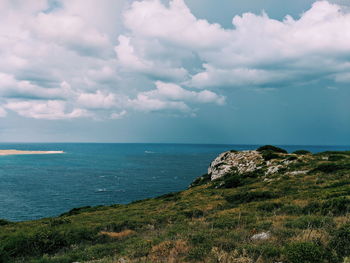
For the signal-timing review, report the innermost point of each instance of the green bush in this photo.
(247, 197)
(334, 158)
(330, 168)
(269, 207)
(269, 155)
(201, 245)
(4, 222)
(301, 152)
(305, 222)
(204, 179)
(292, 210)
(340, 242)
(271, 148)
(336, 206)
(268, 251)
(173, 196)
(45, 240)
(304, 252)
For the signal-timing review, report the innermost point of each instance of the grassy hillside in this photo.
(298, 215)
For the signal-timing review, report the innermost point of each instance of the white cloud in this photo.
(98, 100)
(169, 96)
(10, 87)
(175, 24)
(259, 51)
(118, 115)
(3, 112)
(72, 32)
(50, 110)
(71, 61)
(133, 62)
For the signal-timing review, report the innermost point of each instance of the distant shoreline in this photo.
(20, 152)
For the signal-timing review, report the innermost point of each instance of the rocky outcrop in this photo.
(241, 162)
(249, 161)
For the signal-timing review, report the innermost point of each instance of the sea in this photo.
(91, 174)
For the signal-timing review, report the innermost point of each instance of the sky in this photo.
(175, 71)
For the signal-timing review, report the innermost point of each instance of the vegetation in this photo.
(305, 216)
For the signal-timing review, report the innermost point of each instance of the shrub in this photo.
(202, 243)
(4, 222)
(340, 241)
(271, 148)
(231, 181)
(292, 210)
(336, 206)
(269, 155)
(225, 222)
(268, 251)
(76, 211)
(305, 222)
(334, 158)
(330, 168)
(201, 180)
(301, 152)
(195, 213)
(173, 196)
(141, 247)
(304, 252)
(247, 197)
(269, 207)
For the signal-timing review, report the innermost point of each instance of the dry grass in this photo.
(118, 235)
(169, 251)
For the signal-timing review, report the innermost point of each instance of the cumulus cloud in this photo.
(51, 110)
(258, 51)
(175, 24)
(169, 96)
(3, 112)
(69, 61)
(118, 115)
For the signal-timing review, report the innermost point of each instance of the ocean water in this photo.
(90, 174)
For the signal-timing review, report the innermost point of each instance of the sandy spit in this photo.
(17, 152)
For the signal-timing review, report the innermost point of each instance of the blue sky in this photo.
(183, 71)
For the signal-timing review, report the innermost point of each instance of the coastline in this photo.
(20, 152)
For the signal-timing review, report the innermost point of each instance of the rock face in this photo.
(261, 236)
(249, 161)
(242, 162)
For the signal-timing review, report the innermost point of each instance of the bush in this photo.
(336, 206)
(304, 252)
(334, 158)
(305, 222)
(301, 152)
(269, 155)
(269, 207)
(202, 244)
(330, 168)
(4, 222)
(292, 209)
(340, 242)
(206, 178)
(247, 197)
(173, 196)
(231, 181)
(76, 211)
(271, 148)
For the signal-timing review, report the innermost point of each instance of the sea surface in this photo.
(90, 174)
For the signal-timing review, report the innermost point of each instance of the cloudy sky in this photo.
(191, 71)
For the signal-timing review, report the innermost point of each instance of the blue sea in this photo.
(90, 174)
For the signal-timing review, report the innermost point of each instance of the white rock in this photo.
(242, 162)
(261, 236)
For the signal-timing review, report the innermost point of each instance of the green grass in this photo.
(307, 216)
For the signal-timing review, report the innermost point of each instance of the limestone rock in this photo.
(242, 162)
(261, 236)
